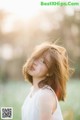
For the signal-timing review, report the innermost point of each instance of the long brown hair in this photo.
(59, 71)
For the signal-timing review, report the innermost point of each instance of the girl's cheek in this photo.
(38, 67)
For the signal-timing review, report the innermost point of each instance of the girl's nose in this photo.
(35, 62)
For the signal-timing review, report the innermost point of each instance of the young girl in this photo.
(48, 71)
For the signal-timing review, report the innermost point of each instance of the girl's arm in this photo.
(47, 105)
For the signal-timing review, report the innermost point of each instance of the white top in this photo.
(30, 110)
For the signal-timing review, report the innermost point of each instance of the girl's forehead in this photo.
(46, 56)
(43, 54)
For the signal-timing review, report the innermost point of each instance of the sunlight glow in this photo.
(27, 9)
(24, 9)
(8, 24)
(69, 11)
(6, 52)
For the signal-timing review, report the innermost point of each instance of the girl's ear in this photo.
(47, 75)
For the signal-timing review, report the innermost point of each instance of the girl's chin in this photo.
(31, 73)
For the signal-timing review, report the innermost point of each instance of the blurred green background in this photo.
(22, 27)
(12, 94)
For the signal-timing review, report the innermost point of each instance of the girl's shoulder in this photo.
(49, 89)
(47, 98)
(47, 93)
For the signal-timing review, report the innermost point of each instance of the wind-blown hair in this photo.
(59, 71)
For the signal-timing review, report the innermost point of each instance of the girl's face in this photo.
(39, 67)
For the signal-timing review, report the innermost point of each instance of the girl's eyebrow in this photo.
(46, 62)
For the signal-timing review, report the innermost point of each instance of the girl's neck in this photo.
(36, 80)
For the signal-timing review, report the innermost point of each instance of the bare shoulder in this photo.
(47, 93)
(47, 100)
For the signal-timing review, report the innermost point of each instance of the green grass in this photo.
(13, 94)
(71, 106)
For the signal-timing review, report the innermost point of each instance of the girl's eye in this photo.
(42, 61)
